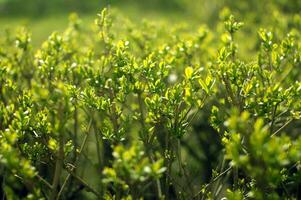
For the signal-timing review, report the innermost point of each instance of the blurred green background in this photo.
(42, 17)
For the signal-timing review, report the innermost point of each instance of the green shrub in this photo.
(125, 110)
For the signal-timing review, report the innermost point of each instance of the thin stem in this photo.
(60, 158)
(168, 163)
(282, 127)
(232, 43)
(75, 116)
(273, 118)
(140, 102)
(63, 186)
(77, 158)
(44, 181)
(147, 142)
(179, 157)
(58, 169)
(97, 144)
(235, 177)
(229, 90)
(83, 182)
(221, 174)
(222, 166)
(270, 61)
(214, 180)
(114, 114)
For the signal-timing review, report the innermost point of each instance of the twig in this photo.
(215, 179)
(59, 160)
(44, 181)
(179, 157)
(147, 141)
(282, 127)
(75, 125)
(273, 118)
(79, 153)
(97, 144)
(85, 184)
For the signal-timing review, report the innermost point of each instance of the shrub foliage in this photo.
(124, 110)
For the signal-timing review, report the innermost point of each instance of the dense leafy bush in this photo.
(127, 110)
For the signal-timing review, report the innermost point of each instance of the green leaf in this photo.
(188, 72)
(203, 85)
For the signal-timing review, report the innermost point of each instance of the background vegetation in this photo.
(161, 99)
